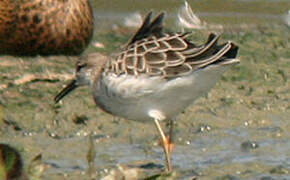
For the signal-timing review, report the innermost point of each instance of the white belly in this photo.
(133, 97)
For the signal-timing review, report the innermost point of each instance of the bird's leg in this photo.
(170, 143)
(165, 144)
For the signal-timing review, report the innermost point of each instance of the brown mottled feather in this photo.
(155, 53)
(45, 27)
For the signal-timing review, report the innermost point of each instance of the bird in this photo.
(45, 27)
(154, 77)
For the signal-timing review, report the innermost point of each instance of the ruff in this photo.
(155, 77)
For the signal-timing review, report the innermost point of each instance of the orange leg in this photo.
(167, 144)
(170, 138)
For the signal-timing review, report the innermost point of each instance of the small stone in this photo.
(247, 145)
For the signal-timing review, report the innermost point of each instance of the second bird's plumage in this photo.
(45, 27)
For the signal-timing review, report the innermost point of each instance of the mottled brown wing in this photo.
(169, 56)
(154, 53)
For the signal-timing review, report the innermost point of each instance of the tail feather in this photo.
(149, 28)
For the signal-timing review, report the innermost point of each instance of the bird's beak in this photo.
(69, 88)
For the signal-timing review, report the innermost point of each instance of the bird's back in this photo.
(155, 53)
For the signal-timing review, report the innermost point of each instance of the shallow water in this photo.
(239, 131)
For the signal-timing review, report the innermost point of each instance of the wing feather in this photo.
(154, 53)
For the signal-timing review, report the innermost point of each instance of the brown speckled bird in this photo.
(45, 27)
